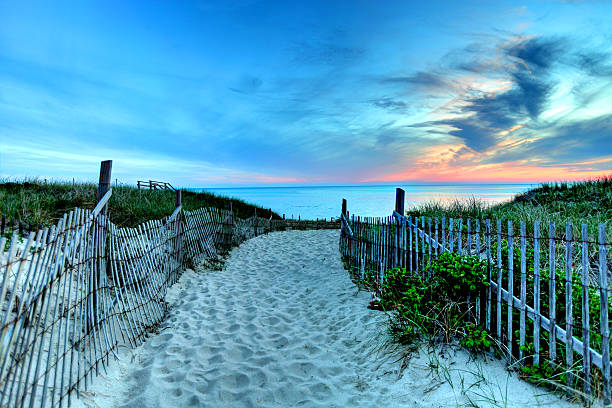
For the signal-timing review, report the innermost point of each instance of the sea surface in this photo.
(312, 202)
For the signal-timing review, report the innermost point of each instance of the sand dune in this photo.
(282, 326)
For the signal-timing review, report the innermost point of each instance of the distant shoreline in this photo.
(375, 200)
(365, 185)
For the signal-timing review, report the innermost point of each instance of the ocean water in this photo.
(311, 202)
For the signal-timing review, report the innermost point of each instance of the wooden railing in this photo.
(155, 185)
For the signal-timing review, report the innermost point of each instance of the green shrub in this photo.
(476, 338)
(435, 304)
(463, 275)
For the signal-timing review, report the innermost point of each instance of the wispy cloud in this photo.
(250, 92)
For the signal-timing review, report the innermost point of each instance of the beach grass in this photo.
(43, 203)
(424, 308)
(587, 202)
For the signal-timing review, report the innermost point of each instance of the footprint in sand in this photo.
(282, 325)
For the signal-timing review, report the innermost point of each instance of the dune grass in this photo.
(587, 202)
(39, 202)
(424, 306)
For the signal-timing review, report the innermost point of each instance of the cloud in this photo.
(390, 104)
(425, 79)
(594, 63)
(247, 85)
(538, 54)
(532, 69)
(308, 100)
(578, 141)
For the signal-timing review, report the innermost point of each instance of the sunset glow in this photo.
(257, 93)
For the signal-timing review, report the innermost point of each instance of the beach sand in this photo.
(282, 325)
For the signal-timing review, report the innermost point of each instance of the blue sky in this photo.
(256, 92)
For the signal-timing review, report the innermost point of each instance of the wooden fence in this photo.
(8, 224)
(548, 296)
(155, 185)
(72, 293)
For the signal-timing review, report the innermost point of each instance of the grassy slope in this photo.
(587, 202)
(45, 203)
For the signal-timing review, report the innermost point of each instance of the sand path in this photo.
(282, 325)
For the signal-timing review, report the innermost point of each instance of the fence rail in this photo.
(72, 293)
(548, 295)
(155, 185)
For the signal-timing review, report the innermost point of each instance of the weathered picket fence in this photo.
(7, 224)
(73, 293)
(551, 281)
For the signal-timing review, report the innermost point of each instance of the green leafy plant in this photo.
(476, 338)
(435, 304)
(464, 275)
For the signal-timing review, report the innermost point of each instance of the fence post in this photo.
(510, 288)
(231, 224)
(104, 184)
(604, 326)
(179, 199)
(105, 178)
(552, 310)
(344, 206)
(569, 317)
(585, 313)
(270, 221)
(400, 196)
(523, 291)
(179, 231)
(499, 280)
(536, 293)
(489, 267)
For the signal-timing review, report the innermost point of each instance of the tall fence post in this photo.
(179, 220)
(604, 324)
(105, 178)
(344, 207)
(104, 184)
(569, 317)
(230, 223)
(179, 199)
(400, 196)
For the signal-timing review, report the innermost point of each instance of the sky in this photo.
(246, 92)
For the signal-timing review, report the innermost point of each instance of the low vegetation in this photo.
(434, 305)
(439, 305)
(37, 202)
(582, 202)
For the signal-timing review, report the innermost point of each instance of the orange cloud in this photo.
(512, 129)
(501, 172)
